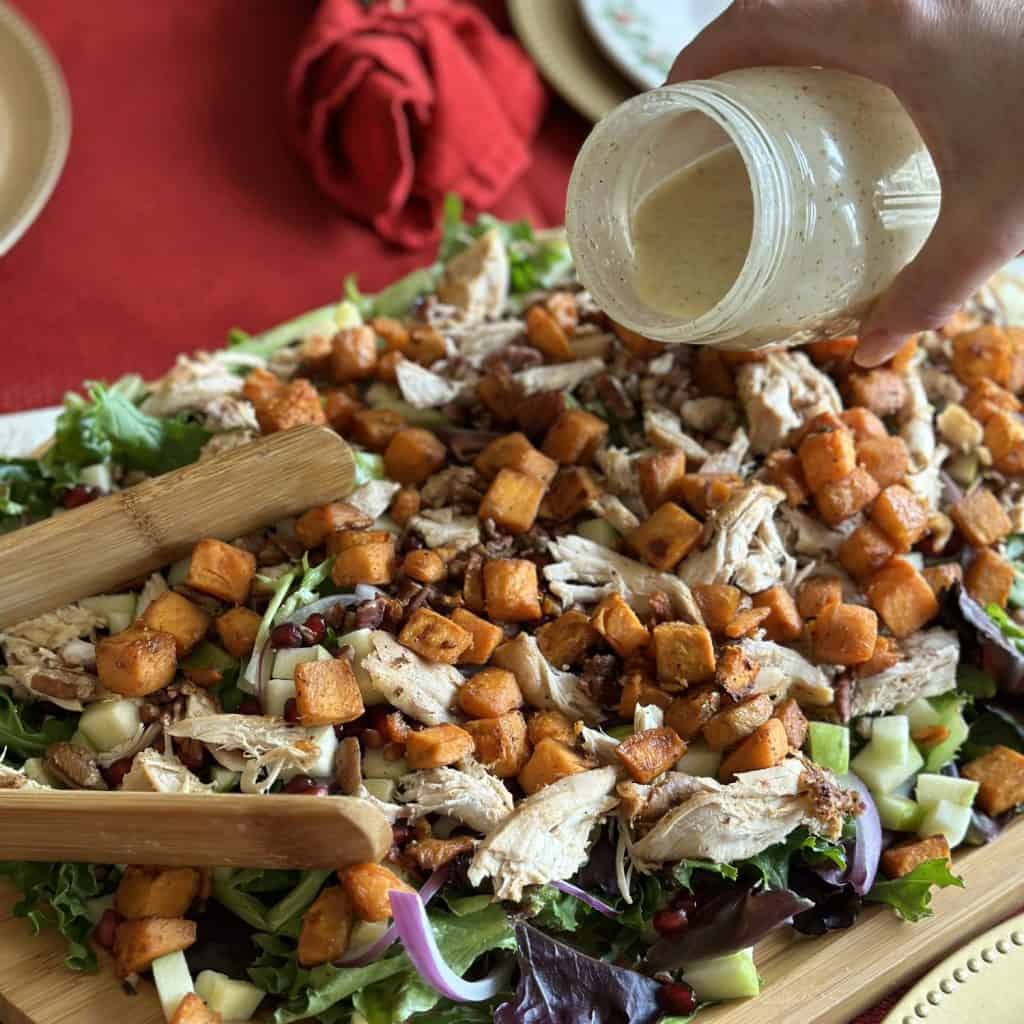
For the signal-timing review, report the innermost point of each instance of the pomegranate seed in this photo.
(250, 706)
(117, 771)
(291, 711)
(286, 635)
(316, 627)
(401, 834)
(670, 922)
(303, 785)
(677, 997)
(106, 928)
(80, 494)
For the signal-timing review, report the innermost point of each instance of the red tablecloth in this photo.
(182, 211)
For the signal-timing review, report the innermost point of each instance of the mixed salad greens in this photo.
(644, 652)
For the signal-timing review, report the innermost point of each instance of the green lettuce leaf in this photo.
(993, 727)
(911, 896)
(1015, 553)
(556, 911)
(26, 493)
(972, 682)
(1007, 626)
(397, 298)
(773, 864)
(26, 731)
(241, 892)
(683, 871)
(54, 896)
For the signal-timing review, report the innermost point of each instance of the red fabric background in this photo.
(182, 211)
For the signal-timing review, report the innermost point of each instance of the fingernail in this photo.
(875, 348)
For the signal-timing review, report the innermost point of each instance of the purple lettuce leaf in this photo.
(982, 641)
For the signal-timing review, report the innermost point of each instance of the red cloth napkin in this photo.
(397, 102)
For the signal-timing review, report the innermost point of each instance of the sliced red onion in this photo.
(581, 894)
(362, 592)
(867, 848)
(367, 955)
(418, 939)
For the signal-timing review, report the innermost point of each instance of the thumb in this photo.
(960, 255)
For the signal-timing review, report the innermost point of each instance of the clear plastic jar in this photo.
(844, 194)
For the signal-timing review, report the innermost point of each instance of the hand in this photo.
(958, 68)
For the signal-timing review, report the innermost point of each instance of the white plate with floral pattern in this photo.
(642, 37)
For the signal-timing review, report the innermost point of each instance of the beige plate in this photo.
(982, 981)
(557, 39)
(35, 125)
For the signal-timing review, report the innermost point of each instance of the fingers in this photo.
(961, 254)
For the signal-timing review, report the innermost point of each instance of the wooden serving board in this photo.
(816, 981)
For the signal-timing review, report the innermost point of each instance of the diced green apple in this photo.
(117, 610)
(890, 737)
(921, 714)
(933, 788)
(946, 819)
(173, 981)
(97, 475)
(382, 789)
(224, 779)
(287, 659)
(327, 743)
(882, 774)
(233, 1000)
(178, 572)
(359, 643)
(942, 753)
(377, 766)
(79, 739)
(600, 531)
(699, 760)
(830, 746)
(208, 655)
(109, 723)
(899, 813)
(276, 694)
(732, 976)
(35, 770)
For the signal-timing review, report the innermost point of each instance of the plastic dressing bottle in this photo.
(766, 206)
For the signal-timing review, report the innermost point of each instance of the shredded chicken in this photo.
(228, 414)
(917, 423)
(373, 498)
(444, 527)
(42, 674)
(706, 415)
(154, 586)
(476, 281)
(422, 388)
(56, 628)
(547, 837)
(598, 744)
(782, 393)
(145, 736)
(468, 793)
(558, 376)
(15, 778)
(663, 429)
(927, 669)
(195, 381)
(614, 512)
(731, 459)
(425, 691)
(476, 341)
(783, 672)
(226, 442)
(806, 535)
(617, 466)
(153, 772)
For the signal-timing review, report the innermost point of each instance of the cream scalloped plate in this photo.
(981, 982)
(35, 125)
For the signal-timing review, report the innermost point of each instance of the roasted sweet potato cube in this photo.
(989, 578)
(1004, 438)
(831, 351)
(639, 689)
(313, 527)
(942, 577)
(844, 498)
(637, 343)
(882, 391)
(784, 469)
(500, 744)
(765, 747)
(315, 355)
(426, 345)
(136, 661)
(885, 458)
(817, 593)
(237, 629)
(473, 585)
(902, 597)
(550, 724)
(571, 493)
(712, 375)
(326, 692)
(746, 622)
(500, 393)
(393, 332)
(387, 367)
(156, 892)
(490, 694)
(344, 540)
(296, 404)
(404, 505)
(485, 637)
(737, 722)
(901, 859)
(192, 1010)
(369, 887)
(704, 492)
(565, 309)
(545, 334)
(413, 454)
(684, 653)
(565, 640)
(374, 428)
(177, 615)
(885, 655)
(437, 746)
(901, 361)
(659, 476)
(619, 625)
(784, 623)
(221, 570)
(512, 501)
(793, 721)
(827, 456)
(514, 451)
(573, 439)
(424, 566)
(511, 592)
(645, 755)
(689, 713)
(844, 634)
(535, 413)
(549, 762)
(665, 538)
(983, 354)
(1000, 776)
(326, 927)
(372, 563)
(864, 424)
(339, 408)
(865, 551)
(901, 515)
(434, 637)
(1016, 381)
(986, 398)
(980, 518)
(718, 604)
(354, 354)
(735, 671)
(138, 942)
(261, 385)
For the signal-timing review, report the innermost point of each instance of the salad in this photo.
(645, 651)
